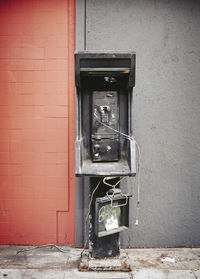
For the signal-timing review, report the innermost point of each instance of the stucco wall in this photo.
(166, 38)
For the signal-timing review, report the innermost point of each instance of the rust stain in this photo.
(125, 266)
(146, 263)
(83, 267)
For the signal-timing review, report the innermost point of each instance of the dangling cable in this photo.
(44, 246)
(138, 168)
(89, 209)
(112, 185)
(138, 186)
(104, 181)
(126, 136)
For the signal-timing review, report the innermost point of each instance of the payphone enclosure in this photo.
(104, 98)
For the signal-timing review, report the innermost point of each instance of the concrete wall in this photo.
(166, 38)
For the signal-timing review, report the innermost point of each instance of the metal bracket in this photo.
(116, 192)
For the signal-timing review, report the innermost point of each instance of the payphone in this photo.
(104, 142)
(105, 147)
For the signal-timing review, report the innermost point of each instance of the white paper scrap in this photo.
(167, 259)
(111, 223)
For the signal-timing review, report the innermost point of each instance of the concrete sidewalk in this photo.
(48, 262)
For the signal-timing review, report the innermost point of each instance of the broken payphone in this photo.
(104, 98)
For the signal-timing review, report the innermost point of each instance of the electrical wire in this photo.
(87, 216)
(112, 185)
(138, 185)
(138, 168)
(126, 136)
(42, 246)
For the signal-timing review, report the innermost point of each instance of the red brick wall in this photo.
(37, 119)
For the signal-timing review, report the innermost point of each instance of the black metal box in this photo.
(111, 214)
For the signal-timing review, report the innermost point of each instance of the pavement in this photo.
(50, 263)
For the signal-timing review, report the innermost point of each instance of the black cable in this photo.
(42, 246)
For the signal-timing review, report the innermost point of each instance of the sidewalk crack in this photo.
(194, 274)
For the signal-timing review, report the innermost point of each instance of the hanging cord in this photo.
(112, 177)
(89, 209)
(138, 184)
(138, 168)
(42, 246)
(126, 136)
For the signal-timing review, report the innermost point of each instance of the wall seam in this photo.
(85, 25)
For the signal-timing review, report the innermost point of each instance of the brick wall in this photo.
(37, 118)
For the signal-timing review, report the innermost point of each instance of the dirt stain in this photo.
(146, 264)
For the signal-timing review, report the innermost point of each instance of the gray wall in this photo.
(166, 38)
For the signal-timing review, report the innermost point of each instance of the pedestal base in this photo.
(120, 263)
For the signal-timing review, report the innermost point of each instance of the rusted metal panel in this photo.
(121, 263)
